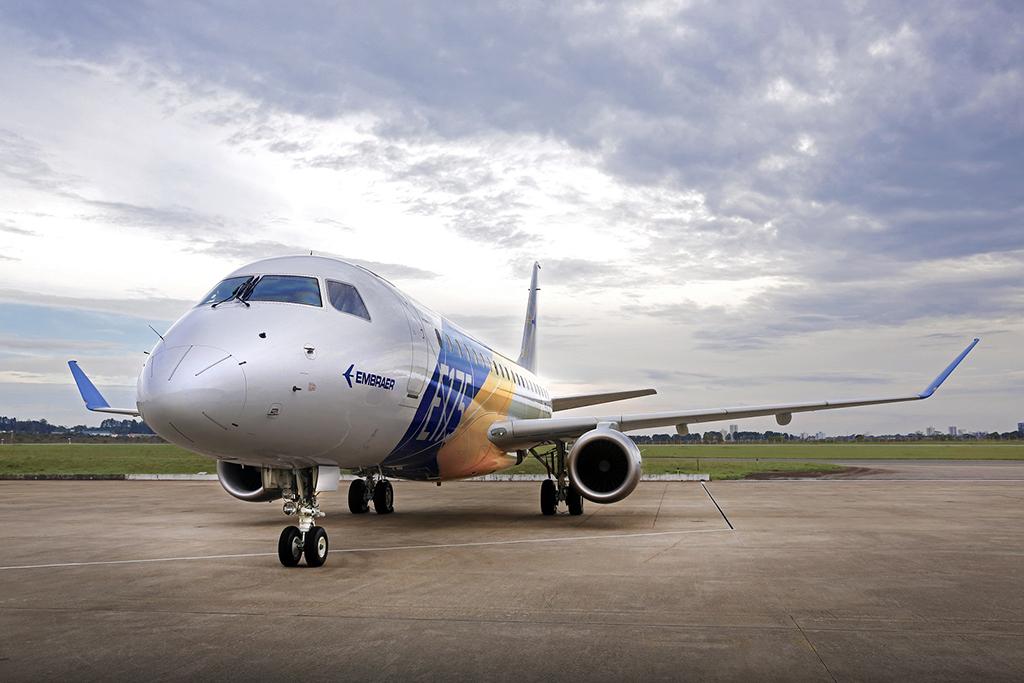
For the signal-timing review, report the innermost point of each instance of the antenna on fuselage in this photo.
(155, 332)
(528, 351)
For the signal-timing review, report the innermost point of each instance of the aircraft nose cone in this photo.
(193, 395)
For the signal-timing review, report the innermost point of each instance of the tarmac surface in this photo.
(819, 580)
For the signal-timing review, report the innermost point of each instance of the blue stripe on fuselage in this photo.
(457, 379)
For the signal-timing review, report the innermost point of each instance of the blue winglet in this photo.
(90, 394)
(948, 371)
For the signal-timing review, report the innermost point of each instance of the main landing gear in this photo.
(306, 539)
(557, 488)
(371, 488)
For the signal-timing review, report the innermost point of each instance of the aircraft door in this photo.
(421, 355)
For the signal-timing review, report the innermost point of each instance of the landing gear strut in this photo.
(557, 487)
(306, 538)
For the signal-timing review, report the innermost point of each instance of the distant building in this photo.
(952, 431)
(930, 431)
(819, 436)
(1020, 428)
(733, 429)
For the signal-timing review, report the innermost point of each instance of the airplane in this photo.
(292, 369)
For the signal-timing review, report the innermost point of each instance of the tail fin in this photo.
(528, 352)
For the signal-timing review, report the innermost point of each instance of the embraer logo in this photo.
(368, 378)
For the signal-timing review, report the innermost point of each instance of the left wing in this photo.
(94, 400)
(517, 434)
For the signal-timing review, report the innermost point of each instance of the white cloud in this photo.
(727, 188)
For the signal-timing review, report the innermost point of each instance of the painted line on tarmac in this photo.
(471, 544)
(720, 510)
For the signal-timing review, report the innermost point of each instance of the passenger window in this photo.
(290, 289)
(224, 289)
(345, 298)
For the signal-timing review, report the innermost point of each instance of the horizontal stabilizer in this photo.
(580, 400)
(94, 400)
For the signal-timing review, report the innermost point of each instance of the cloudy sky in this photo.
(732, 203)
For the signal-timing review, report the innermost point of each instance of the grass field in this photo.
(168, 459)
(721, 461)
(101, 459)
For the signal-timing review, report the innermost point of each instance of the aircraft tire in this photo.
(357, 503)
(548, 497)
(383, 497)
(574, 501)
(289, 546)
(316, 547)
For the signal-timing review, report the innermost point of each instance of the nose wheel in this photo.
(306, 539)
(293, 544)
(290, 546)
(315, 547)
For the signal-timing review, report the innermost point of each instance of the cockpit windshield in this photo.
(291, 289)
(224, 290)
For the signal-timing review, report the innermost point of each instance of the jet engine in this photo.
(604, 465)
(245, 482)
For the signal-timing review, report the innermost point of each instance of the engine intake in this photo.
(604, 465)
(245, 482)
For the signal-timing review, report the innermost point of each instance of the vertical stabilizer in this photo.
(528, 353)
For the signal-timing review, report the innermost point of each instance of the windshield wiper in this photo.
(247, 288)
(236, 293)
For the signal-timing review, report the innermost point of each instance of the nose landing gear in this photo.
(306, 538)
(293, 544)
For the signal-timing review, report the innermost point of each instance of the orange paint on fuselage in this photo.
(468, 452)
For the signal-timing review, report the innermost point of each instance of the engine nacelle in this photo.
(604, 465)
(245, 482)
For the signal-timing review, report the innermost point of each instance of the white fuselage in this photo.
(288, 384)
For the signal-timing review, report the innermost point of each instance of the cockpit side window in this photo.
(346, 299)
(291, 289)
(223, 290)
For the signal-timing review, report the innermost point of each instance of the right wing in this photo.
(94, 400)
(518, 434)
